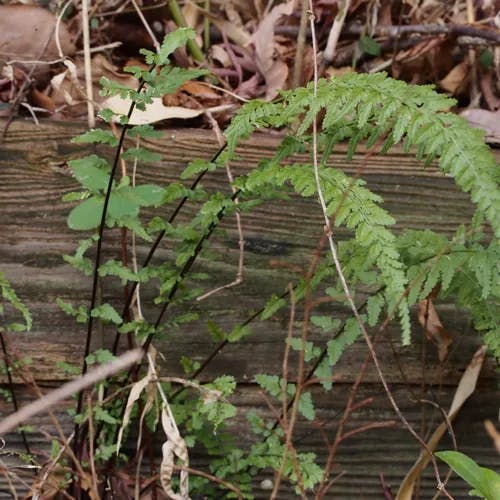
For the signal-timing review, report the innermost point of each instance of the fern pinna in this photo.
(369, 108)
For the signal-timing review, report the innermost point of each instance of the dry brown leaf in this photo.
(191, 14)
(274, 71)
(219, 54)
(488, 121)
(67, 87)
(154, 112)
(24, 32)
(199, 89)
(465, 388)
(232, 14)
(434, 330)
(456, 78)
(101, 66)
(493, 433)
(42, 100)
(238, 34)
(487, 84)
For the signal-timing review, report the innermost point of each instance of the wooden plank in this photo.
(33, 179)
(390, 451)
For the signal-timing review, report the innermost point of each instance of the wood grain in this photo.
(33, 178)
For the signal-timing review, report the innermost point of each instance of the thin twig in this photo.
(10, 381)
(69, 389)
(144, 22)
(428, 29)
(38, 490)
(241, 239)
(7, 474)
(91, 445)
(284, 398)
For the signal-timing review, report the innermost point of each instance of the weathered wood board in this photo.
(33, 179)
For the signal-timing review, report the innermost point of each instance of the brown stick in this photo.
(67, 390)
(396, 31)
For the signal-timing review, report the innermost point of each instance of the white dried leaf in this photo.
(175, 446)
(135, 394)
(154, 112)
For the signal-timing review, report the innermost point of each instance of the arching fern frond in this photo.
(355, 207)
(367, 106)
(357, 107)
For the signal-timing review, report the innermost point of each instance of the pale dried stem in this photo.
(241, 239)
(475, 94)
(67, 390)
(333, 37)
(51, 466)
(493, 433)
(291, 449)
(89, 89)
(91, 445)
(137, 486)
(284, 398)
(7, 473)
(214, 479)
(56, 30)
(288, 346)
(341, 275)
(301, 42)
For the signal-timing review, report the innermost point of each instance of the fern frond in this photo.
(357, 208)
(365, 107)
(409, 112)
(465, 270)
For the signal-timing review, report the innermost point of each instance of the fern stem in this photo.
(181, 22)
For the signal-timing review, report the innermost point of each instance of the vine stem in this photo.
(340, 272)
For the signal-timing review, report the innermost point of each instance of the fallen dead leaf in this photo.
(68, 86)
(219, 54)
(274, 71)
(42, 100)
(455, 79)
(200, 90)
(465, 389)
(238, 34)
(434, 330)
(25, 31)
(154, 112)
(489, 121)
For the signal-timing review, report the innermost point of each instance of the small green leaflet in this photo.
(96, 135)
(107, 313)
(173, 41)
(141, 154)
(87, 215)
(369, 46)
(486, 482)
(125, 201)
(306, 406)
(92, 172)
